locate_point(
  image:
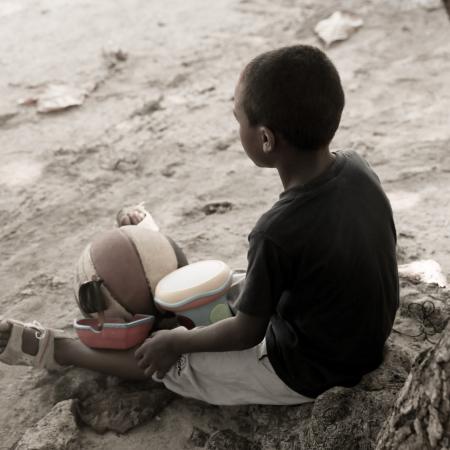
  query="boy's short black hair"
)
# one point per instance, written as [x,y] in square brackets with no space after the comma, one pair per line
[295,91]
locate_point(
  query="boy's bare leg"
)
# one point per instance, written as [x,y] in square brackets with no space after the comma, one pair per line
[71,352]
[120,363]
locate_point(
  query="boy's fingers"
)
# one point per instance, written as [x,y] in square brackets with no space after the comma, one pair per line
[143,362]
[138,353]
[140,363]
[149,371]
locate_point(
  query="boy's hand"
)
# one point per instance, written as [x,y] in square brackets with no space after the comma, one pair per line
[160,352]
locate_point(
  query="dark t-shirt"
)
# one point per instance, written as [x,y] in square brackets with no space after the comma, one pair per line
[322,265]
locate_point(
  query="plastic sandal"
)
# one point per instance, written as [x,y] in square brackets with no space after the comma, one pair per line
[147,221]
[13,353]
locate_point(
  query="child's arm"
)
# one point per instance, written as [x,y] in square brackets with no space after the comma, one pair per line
[160,352]
[267,278]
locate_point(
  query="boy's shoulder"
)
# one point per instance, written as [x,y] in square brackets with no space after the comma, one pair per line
[299,208]
[359,165]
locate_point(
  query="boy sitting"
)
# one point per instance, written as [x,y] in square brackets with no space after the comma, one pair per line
[321,290]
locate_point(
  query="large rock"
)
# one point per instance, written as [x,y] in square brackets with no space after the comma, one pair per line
[80,384]
[123,407]
[56,431]
[351,418]
[420,419]
[348,419]
[229,440]
[339,419]
[107,403]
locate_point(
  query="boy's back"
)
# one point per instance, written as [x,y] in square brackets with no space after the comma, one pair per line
[323,258]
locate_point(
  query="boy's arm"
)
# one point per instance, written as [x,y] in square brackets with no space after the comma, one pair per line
[158,353]
[267,277]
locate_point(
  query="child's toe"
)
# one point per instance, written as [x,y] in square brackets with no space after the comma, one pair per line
[136,217]
[5,327]
[125,220]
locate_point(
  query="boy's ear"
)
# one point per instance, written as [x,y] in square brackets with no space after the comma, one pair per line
[267,139]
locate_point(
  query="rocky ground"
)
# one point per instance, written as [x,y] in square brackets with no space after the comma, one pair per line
[156,125]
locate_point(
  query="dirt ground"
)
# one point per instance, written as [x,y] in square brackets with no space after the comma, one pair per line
[159,127]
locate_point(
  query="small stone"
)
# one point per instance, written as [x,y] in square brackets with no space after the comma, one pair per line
[148,108]
[222,145]
[168,172]
[217,207]
[126,164]
[27,291]
[113,55]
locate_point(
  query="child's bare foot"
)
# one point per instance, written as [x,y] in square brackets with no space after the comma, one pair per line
[134,215]
[131,218]
[30,343]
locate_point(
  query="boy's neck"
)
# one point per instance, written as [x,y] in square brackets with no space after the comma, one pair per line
[297,168]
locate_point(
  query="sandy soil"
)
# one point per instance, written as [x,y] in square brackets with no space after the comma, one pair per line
[159,127]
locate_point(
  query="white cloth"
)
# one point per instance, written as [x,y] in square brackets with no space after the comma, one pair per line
[230,378]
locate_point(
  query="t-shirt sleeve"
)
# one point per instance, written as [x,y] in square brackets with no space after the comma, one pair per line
[266,279]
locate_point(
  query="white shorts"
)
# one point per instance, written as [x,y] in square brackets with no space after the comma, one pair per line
[230,378]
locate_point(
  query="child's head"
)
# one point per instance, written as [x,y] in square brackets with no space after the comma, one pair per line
[295,92]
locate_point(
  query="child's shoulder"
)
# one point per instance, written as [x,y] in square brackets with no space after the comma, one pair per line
[359,167]
[300,207]
[273,223]
[355,160]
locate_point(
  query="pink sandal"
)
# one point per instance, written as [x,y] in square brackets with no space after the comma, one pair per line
[13,353]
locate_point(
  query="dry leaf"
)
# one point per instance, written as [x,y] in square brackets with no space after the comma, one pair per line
[57,97]
[426,271]
[338,27]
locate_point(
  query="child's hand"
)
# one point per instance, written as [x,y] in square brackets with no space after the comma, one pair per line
[159,352]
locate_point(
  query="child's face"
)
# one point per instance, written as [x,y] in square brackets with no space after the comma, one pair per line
[250,136]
